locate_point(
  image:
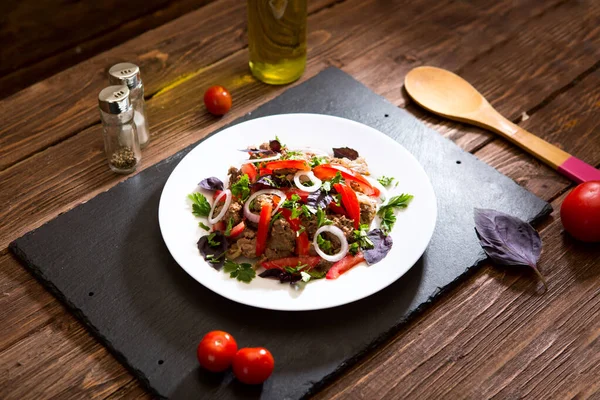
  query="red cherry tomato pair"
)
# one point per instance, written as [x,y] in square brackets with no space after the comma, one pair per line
[218,350]
[217,100]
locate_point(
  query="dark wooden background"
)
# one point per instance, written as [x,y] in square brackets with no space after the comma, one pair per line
[493,336]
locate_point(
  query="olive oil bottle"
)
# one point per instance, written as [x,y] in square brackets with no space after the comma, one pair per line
[277,39]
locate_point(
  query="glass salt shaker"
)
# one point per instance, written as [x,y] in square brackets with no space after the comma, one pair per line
[121,142]
[129,74]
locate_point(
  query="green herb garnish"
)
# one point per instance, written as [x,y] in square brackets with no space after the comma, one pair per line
[292,154]
[241,188]
[229,227]
[337,178]
[354,248]
[322,218]
[338,199]
[324,244]
[242,272]
[201,225]
[361,238]
[200,206]
[385,180]
[211,240]
[296,269]
[386,212]
[315,161]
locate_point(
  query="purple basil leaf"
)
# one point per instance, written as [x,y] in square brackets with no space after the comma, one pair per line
[211,183]
[275,146]
[214,255]
[283,276]
[265,182]
[319,199]
[382,246]
[346,152]
[507,240]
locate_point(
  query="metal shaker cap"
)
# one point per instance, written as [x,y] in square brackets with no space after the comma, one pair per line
[125,74]
[114,99]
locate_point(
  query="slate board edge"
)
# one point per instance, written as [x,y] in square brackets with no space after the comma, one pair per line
[318,386]
[39,276]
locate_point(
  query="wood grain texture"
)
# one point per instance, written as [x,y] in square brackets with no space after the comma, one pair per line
[177,118]
[483,338]
[61,106]
[72,32]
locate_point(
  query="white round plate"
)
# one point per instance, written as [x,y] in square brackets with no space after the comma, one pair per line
[213,157]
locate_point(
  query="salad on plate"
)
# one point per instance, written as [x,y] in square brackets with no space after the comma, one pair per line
[296,215]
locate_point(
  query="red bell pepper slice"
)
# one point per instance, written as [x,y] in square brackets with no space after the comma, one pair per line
[328,171]
[250,170]
[219,226]
[302,244]
[337,209]
[294,222]
[288,164]
[237,230]
[263,228]
[350,202]
[344,265]
[301,193]
[281,263]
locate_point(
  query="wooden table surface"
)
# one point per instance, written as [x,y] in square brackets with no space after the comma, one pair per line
[494,335]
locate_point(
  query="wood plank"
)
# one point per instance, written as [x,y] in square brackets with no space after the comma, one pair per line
[177,117]
[72,35]
[192,121]
[496,335]
[61,106]
[59,361]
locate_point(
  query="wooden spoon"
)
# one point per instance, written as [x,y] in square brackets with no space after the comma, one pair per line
[450,96]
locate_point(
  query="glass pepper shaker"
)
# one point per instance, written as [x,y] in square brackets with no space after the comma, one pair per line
[121,142]
[129,74]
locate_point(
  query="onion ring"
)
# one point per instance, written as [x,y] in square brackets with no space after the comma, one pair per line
[227,194]
[254,217]
[309,174]
[337,232]
[253,160]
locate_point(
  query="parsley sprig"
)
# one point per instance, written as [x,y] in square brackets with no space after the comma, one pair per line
[242,272]
[242,187]
[322,218]
[386,212]
[200,206]
[385,180]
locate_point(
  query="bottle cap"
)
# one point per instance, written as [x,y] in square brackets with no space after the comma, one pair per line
[125,74]
[114,99]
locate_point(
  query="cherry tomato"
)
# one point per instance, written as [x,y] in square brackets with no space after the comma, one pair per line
[580,212]
[217,100]
[253,365]
[216,351]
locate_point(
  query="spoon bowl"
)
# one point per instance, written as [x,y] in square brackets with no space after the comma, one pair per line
[447,94]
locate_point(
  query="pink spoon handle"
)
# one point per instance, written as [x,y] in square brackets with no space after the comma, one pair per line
[578,170]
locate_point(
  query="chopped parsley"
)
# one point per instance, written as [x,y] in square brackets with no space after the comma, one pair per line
[361,238]
[292,154]
[324,244]
[302,210]
[337,178]
[385,180]
[242,272]
[296,269]
[229,227]
[315,161]
[322,218]
[242,187]
[211,240]
[326,186]
[306,274]
[201,225]
[200,206]
[338,199]
[354,248]
[386,212]
[275,217]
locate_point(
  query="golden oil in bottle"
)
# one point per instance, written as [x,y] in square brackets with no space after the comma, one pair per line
[277,39]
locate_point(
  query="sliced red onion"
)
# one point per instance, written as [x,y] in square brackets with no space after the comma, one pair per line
[253,160]
[309,174]
[226,193]
[337,232]
[383,193]
[254,217]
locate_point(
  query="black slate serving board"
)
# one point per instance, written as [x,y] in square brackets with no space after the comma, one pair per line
[107,262]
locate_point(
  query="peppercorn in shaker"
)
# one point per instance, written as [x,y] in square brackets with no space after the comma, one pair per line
[129,74]
[121,142]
